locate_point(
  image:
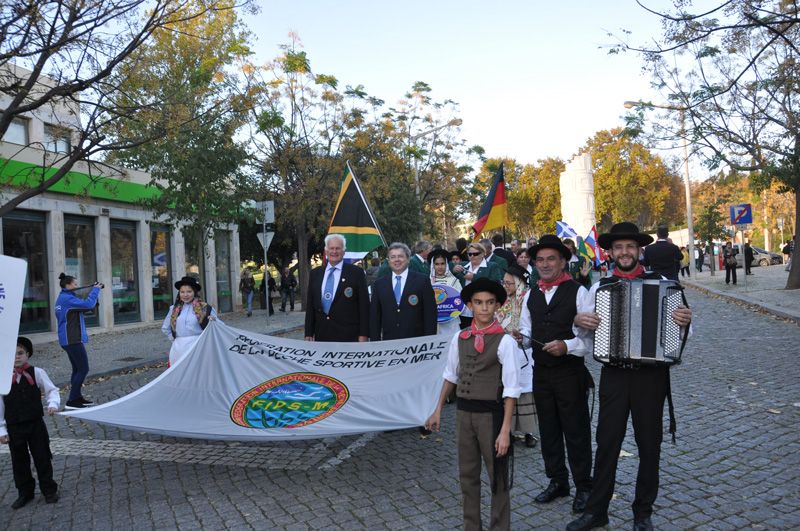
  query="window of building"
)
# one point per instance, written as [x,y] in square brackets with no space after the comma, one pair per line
[57,139]
[24,237]
[195,256]
[124,278]
[161,268]
[222,241]
[17,132]
[80,260]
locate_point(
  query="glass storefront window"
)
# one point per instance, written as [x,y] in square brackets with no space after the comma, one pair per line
[24,237]
[80,260]
[222,261]
[124,281]
[161,267]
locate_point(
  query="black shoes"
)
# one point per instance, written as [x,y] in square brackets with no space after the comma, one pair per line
[553,491]
[51,498]
[588,521]
[530,440]
[579,503]
[86,401]
[22,501]
[642,524]
[75,404]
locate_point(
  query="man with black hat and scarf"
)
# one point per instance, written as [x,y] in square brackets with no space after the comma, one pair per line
[483,363]
[640,392]
[560,378]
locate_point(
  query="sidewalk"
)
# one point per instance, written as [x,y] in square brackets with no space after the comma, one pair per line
[113,352]
[764,289]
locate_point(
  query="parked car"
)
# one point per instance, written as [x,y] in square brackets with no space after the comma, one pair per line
[761,257]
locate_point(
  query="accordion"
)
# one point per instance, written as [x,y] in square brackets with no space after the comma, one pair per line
[636,325]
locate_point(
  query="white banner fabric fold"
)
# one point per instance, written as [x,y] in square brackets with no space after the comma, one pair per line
[239,385]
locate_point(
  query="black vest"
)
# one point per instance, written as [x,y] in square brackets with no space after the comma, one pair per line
[553,321]
[24,401]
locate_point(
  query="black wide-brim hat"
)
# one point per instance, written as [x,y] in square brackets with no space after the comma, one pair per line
[550,241]
[444,253]
[188,281]
[518,271]
[484,284]
[623,231]
[26,344]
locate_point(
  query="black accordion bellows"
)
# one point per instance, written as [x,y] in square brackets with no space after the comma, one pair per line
[636,325]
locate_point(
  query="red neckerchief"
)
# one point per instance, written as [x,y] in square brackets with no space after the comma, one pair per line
[21,370]
[637,271]
[544,286]
[473,330]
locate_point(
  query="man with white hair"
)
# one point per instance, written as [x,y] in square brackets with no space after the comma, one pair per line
[337,301]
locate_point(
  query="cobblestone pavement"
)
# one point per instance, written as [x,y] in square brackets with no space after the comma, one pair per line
[736,464]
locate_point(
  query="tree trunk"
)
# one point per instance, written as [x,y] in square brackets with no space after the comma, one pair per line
[793,282]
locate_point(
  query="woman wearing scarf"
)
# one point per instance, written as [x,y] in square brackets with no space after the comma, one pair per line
[440,274]
[515,283]
[186,319]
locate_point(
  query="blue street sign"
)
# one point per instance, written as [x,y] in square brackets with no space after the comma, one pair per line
[741,214]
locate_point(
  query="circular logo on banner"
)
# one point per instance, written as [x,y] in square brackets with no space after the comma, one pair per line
[290,401]
[348,292]
[449,304]
[413,300]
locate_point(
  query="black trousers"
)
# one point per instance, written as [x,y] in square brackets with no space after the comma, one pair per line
[730,271]
[31,436]
[642,393]
[563,413]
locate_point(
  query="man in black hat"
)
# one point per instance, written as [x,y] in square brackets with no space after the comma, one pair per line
[640,392]
[482,363]
[560,381]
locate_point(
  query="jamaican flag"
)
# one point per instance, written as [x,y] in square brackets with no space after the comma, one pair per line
[353,218]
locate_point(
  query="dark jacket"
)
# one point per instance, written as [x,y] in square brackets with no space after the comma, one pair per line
[415,316]
[663,258]
[349,313]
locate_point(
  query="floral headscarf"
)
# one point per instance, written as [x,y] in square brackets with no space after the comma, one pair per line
[509,313]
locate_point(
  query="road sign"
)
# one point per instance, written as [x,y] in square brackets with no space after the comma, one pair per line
[268,208]
[741,214]
[269,239]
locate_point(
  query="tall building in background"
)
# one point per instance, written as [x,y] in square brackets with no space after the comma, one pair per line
[576,185]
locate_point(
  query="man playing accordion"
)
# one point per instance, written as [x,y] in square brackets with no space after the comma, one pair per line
[640,391]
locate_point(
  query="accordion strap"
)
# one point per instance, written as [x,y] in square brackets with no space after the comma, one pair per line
[672,423]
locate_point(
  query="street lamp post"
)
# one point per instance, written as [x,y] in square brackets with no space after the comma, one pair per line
[455,122]
[686,183]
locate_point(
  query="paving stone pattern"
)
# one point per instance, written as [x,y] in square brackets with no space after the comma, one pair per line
[736,464]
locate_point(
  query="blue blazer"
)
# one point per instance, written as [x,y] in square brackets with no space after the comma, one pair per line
[415,316]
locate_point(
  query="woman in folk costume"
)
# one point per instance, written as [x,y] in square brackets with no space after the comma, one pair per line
[440,274]
[516,284]
[186,319]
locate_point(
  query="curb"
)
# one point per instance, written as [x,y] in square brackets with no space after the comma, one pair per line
[772,310]
[157,361]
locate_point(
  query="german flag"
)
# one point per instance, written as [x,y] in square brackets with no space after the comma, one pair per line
[494,212]
[353,218]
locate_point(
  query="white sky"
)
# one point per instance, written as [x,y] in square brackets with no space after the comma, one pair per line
[529,76]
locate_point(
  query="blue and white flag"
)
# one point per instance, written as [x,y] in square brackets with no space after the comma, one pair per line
[563,230]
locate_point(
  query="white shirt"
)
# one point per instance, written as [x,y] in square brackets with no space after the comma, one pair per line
[505,354]
[186,324]
[45,384]
[336,271]
[403,277]
[468,269]
[575,346]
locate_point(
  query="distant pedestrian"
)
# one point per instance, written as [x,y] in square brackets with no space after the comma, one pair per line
[372,271]
[698,258]
[247,286]
[685,263]
[186,319]
[788,250]
[72,334]
[663,257]
[288,284]
[729,259]
[749,256]
[24,430]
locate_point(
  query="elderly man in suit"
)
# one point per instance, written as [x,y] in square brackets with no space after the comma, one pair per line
[663,257]
[337,301]
[403,304]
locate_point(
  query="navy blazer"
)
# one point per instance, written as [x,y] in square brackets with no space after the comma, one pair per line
[349,313]
[415,316]
[664,258]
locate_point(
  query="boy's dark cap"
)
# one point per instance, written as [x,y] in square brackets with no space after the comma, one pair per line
[484,285]
[25,343]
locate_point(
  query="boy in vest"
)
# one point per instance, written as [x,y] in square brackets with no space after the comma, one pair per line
[481,362]
[23,429]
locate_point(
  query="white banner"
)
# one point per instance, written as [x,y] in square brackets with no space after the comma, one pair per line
[238,385]
[12,289]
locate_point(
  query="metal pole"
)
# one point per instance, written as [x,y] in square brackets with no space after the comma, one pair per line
[266,271]
[687,184]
